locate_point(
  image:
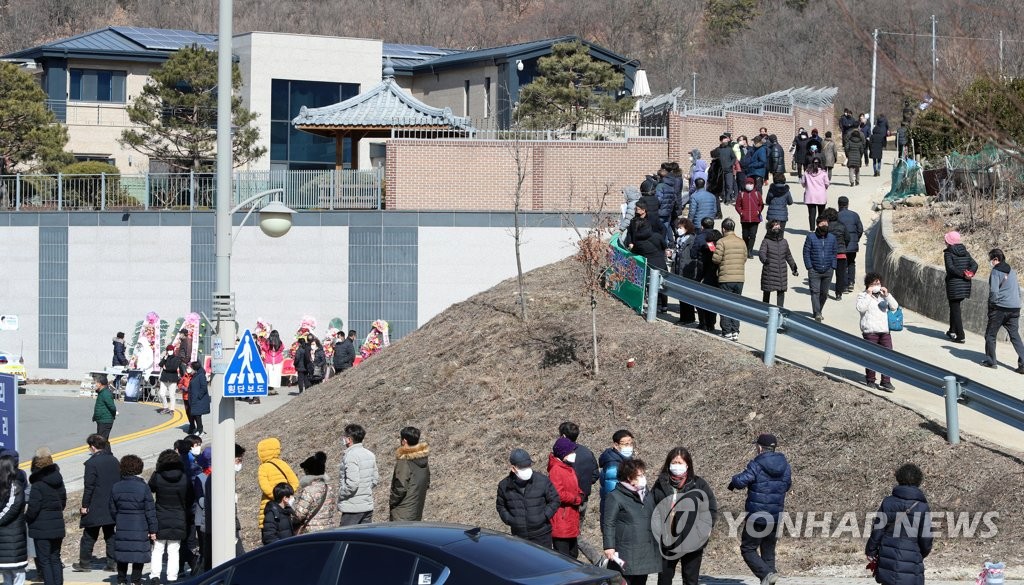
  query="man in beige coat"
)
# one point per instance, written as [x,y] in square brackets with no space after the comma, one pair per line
[730,256]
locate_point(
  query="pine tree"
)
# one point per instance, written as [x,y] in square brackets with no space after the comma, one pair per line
[30,137]
[177,112]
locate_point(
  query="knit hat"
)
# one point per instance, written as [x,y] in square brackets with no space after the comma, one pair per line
[766,440]
[952,238]
[315,464]
[751,181]
[520,458]
[563,446]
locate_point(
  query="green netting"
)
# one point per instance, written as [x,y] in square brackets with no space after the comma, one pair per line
[907,180]
[987,159]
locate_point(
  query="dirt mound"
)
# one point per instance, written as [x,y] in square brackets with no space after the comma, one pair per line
[478,382]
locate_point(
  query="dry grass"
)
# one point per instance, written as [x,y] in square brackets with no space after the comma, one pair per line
[479,383]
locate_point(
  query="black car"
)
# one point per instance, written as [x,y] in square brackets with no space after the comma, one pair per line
[405,553]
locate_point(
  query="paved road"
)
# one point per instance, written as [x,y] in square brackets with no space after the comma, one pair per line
[922,338]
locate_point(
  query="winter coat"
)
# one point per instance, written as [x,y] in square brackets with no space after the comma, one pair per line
[303,362]
[319,361]
[707,272]
[104,410]
[277,523]
[901,556]
[702,204]
[877,142]
[13,538]
[609,462]
[767,478]
[854,229]
[344,355]
[800,149]
[527,507]
[131,505]
[119,358]
[626,527]
[757,161]
[716,178]
[663,488]
[199,394]
[776,157]
[749,205]
[683,264]
[648,239]
[184,351]
[1003,290]
[829,153]
[820,252]
[837,229]
[359,476]
[275,356]
[171,369]
[778,201]
[102,471]
[314,504]
[566,521]
[272,471]
[846,123]
[587,471]
[854,148]
[173,496]
[874,317]
[775,256]
[726,157]
[958,259]
[46,503]
[666,194]
[699,170]
[730,256]
[814,147]
[410,482]
[815,187]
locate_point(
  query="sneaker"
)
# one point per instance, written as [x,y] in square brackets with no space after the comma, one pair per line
[1019,370]
[770,579]
[819,318]
[872,385]
[81,567]
[734,336]
[839,296]
[887,386]
[960,340]
[988,364]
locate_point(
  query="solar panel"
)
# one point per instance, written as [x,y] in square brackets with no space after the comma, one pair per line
[167,39]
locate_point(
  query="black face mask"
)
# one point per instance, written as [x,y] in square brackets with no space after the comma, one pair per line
[821,230]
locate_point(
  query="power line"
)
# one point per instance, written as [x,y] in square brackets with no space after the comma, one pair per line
[928,35]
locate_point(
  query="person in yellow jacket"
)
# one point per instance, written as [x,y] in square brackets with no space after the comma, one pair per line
[272,471]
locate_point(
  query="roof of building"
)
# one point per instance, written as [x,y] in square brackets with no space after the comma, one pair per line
[412,55]
[142,43]
[384,106]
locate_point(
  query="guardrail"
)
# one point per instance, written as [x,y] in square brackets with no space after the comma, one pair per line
[956,388]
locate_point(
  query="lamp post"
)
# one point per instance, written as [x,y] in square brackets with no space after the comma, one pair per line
[275,221]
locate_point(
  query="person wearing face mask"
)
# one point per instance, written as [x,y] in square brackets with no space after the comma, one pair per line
[686,265]
[677,478]
[874,304]
[277,517]
[816,183]
[358,478]
[565,524]
[199,398]
[820,250]
[104,411]
[767,478]
[611,458]
[204,506]
[749,206]
[102,471]
[171,369]
[730,256]
[272,471]
[775,256]
[629,542]
[170,486]
[1003,309]
[800,148]
[527,501]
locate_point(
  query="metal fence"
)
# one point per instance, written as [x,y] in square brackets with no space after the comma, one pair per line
[954,387]
[630,125]
[328,189]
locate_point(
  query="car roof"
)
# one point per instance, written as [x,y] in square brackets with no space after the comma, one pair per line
[418,534]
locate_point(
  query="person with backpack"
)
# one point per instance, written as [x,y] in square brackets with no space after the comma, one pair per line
[901,539]
[775,256]
[778,200]
[960,270]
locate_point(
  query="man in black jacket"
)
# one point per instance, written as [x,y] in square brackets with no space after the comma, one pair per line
[345,352]
[171,370]
[526,500]
[102,471]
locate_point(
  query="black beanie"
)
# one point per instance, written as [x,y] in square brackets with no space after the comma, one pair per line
[316,464]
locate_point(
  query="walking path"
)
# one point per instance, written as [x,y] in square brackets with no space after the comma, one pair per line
[921,338]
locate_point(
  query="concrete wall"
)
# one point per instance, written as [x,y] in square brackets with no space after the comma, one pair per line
[265,56]
[447,89]
[921,287]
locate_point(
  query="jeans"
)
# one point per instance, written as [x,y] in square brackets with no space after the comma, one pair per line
[567,546]
[759,536]
[750,234]
[168,394]
[353,518]
[956,321]
[851,269]
[876,165]
[104,429]
[883,339]
[814,210]
[13,576]
[156,561]
[1007,319]
[840,277]
[48,560]
[690,565]
[122,572]
[780,298]
[195,423]
[730,325]
[819,282]
[91,534]
[670,240]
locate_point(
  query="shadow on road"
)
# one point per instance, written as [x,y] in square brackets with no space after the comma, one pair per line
[967,354]
[846,374]
[926,331]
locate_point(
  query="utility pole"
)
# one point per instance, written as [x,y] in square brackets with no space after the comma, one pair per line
[874,77]
[693,95]
[1000,54]
[934,56]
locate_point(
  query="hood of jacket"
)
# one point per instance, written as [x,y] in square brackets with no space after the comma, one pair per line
[268,449]
[855,137]
[554,462]
[49,474]
[116,341]
[172,471]
[307,480]
[959,250]
[631,193]
[610,455]
[695,154]
[416,453]
[909,492]
[774,464]
[1002,267]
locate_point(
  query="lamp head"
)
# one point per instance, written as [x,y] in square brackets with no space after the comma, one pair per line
[276,219]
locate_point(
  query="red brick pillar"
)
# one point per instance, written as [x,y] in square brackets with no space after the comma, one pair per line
[390,175]
[676,137]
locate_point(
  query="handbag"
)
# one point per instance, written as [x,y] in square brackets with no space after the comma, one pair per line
[895,319]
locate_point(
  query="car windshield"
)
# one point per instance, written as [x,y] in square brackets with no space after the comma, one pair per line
[511,558]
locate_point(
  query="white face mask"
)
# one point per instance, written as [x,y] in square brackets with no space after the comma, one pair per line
[570,458]
[238,467]
[196,450]
[524,474]
[641,482]
[876,289]
[677,469]
[626,452]
[748,187]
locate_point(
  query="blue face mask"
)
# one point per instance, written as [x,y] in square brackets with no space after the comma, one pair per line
[626,452]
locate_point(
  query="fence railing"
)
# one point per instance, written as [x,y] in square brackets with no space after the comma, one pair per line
[954,387]
[90,113]
[618,129]
[324,190]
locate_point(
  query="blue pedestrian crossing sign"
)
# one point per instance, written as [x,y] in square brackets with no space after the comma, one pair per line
[246,375]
